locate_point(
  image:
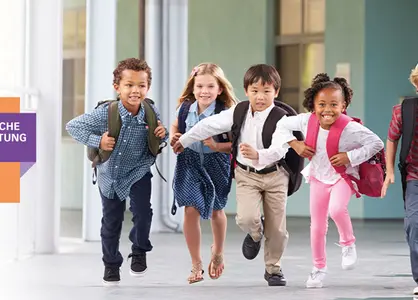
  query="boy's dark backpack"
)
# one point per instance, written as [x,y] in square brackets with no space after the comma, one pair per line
[98,156]
[292,163]
[408,112]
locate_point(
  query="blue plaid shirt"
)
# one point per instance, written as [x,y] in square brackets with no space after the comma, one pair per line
[130,159]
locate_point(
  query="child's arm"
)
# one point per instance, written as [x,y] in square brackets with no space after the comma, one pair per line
[391,148]
[89,128]
[286,126]
[283,138]
[362,140]
[394,134]
[227,146]
[161,131]
[208,127]
[174,132]
[224,147]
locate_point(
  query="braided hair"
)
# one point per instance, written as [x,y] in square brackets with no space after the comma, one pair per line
[322,81]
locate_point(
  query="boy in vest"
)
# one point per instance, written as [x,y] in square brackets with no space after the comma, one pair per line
[404,124]
[127,171]
[256,181]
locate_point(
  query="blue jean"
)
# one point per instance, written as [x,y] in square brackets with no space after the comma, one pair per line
[411,224]
[113,215]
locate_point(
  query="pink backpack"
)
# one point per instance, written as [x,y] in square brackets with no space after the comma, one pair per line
[372,172]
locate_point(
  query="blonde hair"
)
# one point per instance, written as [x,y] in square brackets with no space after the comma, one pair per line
[413,78]
[227,96]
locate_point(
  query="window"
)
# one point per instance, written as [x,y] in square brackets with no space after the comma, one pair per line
[300,26]
[314,16]
[74,44]
[290,21]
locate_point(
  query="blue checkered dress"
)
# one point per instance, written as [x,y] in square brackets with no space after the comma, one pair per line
[130,159]
[201,177]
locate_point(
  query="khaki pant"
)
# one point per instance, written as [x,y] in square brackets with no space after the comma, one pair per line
[270,189]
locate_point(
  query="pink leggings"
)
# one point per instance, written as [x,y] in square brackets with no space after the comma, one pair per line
[332,198]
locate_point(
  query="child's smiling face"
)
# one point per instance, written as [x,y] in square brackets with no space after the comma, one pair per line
[132,89]
[206,89]
[329,104]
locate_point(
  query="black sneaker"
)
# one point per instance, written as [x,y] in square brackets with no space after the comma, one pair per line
[250,248]
[111,276]
[275,279]
[138,264]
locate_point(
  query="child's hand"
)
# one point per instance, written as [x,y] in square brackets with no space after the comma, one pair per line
[160,131]
[175,138]
[210,142]
[248,152]
[178,147]
[107,143]
[390,179]
[302,149]
[340,159]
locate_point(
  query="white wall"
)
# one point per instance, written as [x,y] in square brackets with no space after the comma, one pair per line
[11,35]
[30,59]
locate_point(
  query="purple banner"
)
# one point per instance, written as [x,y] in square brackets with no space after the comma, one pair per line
[18,137]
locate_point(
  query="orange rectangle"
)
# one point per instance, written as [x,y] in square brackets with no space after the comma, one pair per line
[10,171]
[9,104]
[10,182]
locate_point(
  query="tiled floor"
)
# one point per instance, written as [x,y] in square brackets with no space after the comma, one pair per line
[383,271]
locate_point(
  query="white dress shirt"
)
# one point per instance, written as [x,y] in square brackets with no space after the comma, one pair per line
[358,141]
[251,133]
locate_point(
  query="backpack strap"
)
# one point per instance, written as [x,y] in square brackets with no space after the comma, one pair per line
[114,124]
[223,137]
[268,129]
[154,145]
[313,130]
[408,113]
[182,116]
[240,112]
[333,142]
[334,136]
[152,123]
[270,124]
[219,106]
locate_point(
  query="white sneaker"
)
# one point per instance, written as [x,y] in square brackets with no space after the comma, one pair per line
[416,291]
[316,278]
[349,257]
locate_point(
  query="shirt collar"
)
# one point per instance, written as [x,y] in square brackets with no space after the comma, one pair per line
[263,113]
[124,112]
[208,111]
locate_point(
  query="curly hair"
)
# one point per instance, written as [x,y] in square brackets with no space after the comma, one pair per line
[227,96]
[322,81]
[133,64]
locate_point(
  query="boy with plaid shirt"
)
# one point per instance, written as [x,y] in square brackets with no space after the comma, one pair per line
[404,124]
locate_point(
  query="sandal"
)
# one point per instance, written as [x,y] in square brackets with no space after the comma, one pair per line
[216,264]
[196,274]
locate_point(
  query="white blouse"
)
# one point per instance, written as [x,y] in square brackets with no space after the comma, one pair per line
[358,141]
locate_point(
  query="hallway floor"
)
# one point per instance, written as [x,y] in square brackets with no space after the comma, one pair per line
[383,270]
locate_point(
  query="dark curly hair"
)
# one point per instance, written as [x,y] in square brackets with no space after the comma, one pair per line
[322,81]
[133,64]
